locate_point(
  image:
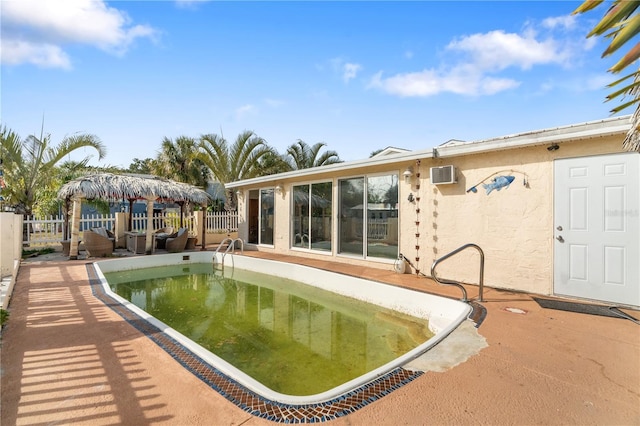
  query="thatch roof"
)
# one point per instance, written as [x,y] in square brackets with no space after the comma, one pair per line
[108,186]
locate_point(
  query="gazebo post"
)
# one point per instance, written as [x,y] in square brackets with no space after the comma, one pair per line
[67,231]
[75,227]
[148,249]
[204,227]
[131,200]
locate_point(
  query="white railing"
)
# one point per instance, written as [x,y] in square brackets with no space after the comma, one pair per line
[227,221]
[139,222]
[51,229]
[41,231]
[97,221]
[377,229]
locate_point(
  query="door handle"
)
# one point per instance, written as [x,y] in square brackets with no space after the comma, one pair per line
[559,238]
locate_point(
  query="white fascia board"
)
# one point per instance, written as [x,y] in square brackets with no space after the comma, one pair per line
[338,167]
[588,130]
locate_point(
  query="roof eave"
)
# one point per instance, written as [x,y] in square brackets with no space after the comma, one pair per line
[337,167]
[588,130]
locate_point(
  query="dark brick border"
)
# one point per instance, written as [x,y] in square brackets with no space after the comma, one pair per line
[244,398]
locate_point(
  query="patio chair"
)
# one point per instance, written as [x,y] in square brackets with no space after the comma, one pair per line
[178,243]
[99,242]
[161,236]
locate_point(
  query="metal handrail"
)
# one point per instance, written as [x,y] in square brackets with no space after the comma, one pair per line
[456,283]
[230,247]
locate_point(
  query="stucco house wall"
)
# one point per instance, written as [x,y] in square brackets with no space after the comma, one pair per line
[513,226]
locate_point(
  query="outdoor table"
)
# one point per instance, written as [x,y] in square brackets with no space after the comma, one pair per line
[137,242]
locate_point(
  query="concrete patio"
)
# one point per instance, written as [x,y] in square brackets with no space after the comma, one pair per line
[67,358]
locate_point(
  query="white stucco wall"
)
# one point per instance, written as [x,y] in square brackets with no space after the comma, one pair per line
[10,254]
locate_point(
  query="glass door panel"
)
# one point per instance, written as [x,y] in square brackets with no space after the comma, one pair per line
[300,217]
[382,216]
[266,216]
[321,206]
[351,235]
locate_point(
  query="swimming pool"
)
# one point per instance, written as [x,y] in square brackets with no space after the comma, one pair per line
[443,314]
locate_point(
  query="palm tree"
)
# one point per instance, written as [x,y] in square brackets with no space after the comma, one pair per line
[273,163]
[30,164]
[303,156]
[228,163]
[620,24]
[145,166]
[178,161]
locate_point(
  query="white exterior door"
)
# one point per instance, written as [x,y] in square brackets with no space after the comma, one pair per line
[597,228]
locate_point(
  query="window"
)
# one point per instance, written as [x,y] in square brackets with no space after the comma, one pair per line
[369,229]
[311,217]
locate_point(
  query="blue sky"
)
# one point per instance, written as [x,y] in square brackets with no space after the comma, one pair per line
[358,76]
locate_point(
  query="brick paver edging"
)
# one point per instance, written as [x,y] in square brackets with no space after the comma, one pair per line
[244,398]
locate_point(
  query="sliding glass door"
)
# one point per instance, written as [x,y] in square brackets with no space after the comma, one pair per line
[369,216]
[311,216]
[261,216]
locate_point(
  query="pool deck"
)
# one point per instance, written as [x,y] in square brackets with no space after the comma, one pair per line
[67,358]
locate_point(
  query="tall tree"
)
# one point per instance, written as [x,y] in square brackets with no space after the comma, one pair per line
[303,156]
[30,164]
[620,24]
[273,163]
[178,160]
[145,166]
[228,163]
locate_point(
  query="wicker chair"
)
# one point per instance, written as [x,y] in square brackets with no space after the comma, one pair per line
[177,244]
[99,242]
[161,236]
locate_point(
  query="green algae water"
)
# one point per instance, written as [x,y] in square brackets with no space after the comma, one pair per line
[293,338]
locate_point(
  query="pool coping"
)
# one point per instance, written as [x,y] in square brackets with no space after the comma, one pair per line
[238,394]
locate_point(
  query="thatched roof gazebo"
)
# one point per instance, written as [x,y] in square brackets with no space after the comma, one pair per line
[110,187]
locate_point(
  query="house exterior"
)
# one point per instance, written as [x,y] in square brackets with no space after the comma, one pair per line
[555,211]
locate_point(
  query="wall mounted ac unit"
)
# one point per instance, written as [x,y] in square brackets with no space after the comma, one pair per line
[443,175]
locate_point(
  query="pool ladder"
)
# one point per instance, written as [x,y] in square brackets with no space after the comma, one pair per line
[456,283]
[230,248]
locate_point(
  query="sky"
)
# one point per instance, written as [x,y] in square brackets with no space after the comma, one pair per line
[357,76]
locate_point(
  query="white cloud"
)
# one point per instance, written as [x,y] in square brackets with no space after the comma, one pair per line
[347,70]
[189,4]
[481,58]
[274,103]
[497,50]
[430,82]
[45,25]
[563,22]
[350,71]
[598,82]
[244,110]
[16,52]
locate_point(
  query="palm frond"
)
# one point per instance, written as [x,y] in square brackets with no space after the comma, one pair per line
[587,6]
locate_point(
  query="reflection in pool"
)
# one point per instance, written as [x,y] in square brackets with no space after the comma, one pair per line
[291,337]
[307,321]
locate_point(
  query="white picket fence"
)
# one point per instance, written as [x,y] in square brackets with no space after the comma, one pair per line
[225,221]
[42,231]
[51,229]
